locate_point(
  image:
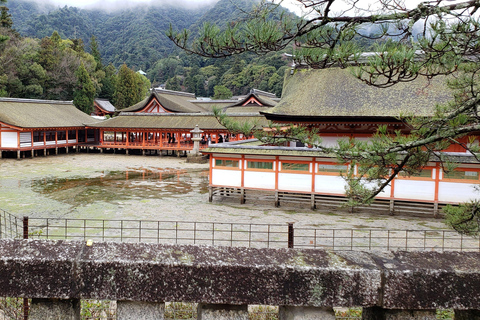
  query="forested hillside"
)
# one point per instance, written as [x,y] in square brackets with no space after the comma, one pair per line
[137,37]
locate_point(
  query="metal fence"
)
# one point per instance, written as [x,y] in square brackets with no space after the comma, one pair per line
[381,240]
[168,232]
[247,235]
[219,234]
[10,226]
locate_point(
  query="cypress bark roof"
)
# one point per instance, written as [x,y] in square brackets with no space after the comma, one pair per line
[105,105]
[172,121]
[265,102]
[27,113]
[172,101]
[335,92]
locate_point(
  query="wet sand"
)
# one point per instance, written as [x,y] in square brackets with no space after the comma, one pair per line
[181,197]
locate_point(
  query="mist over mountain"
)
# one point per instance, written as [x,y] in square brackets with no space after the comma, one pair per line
[116,5]
[135,36]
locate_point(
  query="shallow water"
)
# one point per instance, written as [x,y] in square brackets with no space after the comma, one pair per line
[78,189]
[116,186]
[105,186]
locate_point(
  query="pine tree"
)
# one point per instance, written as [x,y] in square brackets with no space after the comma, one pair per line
[108,83]
[126,88]
[84,93]
[95,53]
[5,18]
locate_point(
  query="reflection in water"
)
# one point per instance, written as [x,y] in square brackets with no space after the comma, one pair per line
[114,186]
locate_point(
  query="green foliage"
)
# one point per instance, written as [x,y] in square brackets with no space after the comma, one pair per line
[95,53]
[97,309]
[5,18]
[173,84]
[464,218]
[136,37]
[130,88]
[222,92]
[84,93]
[247,128]
[108,83]
[448,46]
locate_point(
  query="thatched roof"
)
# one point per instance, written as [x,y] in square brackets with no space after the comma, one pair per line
[26,113]
[183,121]
[335,92]
[173,101]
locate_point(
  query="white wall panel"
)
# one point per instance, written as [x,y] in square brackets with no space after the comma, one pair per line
[329,184]
[25,137]
[295,182]
[414,190]
[9,140]
[259,179]
[231,178]
[385,193]
[456,192]
[330,141]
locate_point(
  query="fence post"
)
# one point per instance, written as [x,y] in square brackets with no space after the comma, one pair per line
[25,227]
[25,236]
[291,235]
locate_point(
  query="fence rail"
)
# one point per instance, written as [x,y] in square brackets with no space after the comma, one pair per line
[247,235]
[377,239]
[10,225]
[233,234]
[169,232]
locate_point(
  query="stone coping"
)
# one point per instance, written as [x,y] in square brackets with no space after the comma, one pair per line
[236,275]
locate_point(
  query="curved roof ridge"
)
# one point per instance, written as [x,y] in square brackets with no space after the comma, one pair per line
[35,101]
[176,93]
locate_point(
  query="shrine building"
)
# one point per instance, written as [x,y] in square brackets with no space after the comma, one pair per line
[340,106]
[42,126]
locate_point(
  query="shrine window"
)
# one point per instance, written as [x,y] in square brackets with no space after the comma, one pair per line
[260,165]
[296,166]
[459,174]
[227,163]
[425,174]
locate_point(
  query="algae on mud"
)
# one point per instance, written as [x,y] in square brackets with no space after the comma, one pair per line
[94,186]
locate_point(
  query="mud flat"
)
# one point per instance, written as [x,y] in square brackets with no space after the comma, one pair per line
[109,186]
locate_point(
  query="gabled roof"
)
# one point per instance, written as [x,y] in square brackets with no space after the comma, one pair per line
[174,121]
[208,105]
[171,101]
[27,113]
[251,102]
[105,105]
[335,93]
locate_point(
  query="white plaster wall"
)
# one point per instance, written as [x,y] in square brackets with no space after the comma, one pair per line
[9,140]
[329,184]
[385,193]
[330,141]
[259,179]
[295,182]
[456,192]
[231,178]
[414,189]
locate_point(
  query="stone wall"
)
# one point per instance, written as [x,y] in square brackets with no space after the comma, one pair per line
[306,284]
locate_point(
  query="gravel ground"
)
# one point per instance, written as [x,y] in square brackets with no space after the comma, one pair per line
[63,186]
